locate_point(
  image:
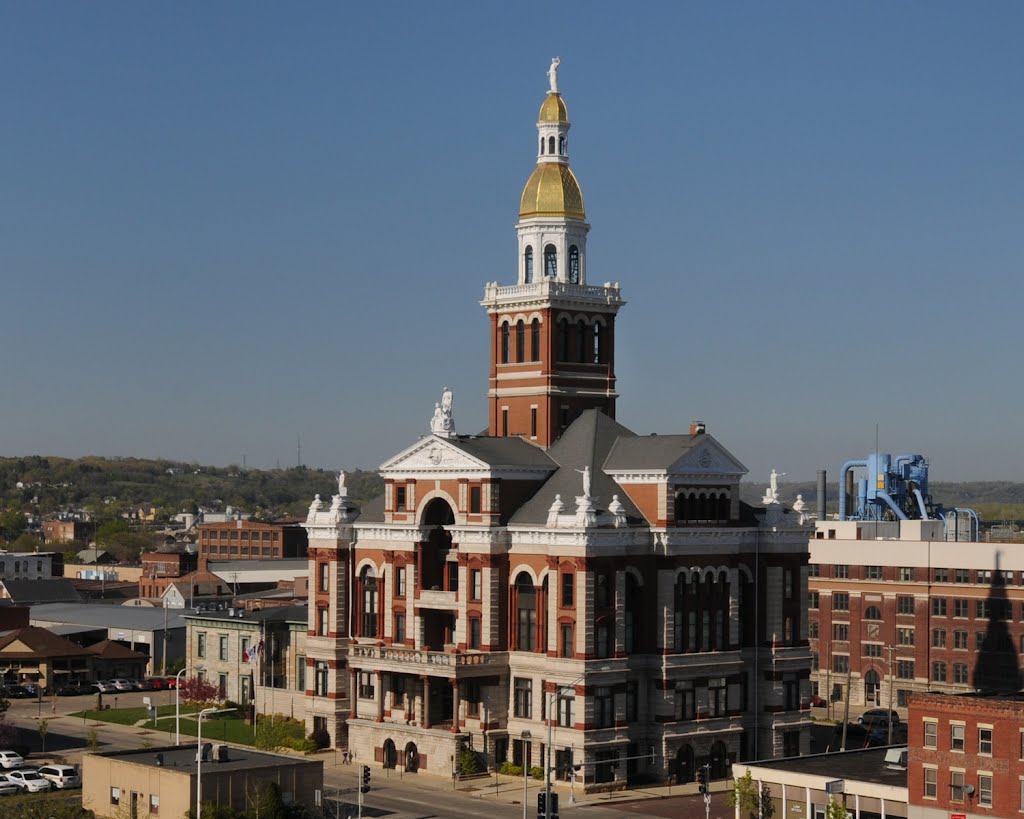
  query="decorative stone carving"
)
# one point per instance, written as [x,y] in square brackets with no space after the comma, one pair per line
[442,422]
[617,511]
[553,75]
[771,494]
[557,508]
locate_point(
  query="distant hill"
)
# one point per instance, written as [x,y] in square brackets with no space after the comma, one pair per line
[108,486]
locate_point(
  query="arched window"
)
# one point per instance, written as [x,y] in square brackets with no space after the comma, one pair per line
[369,584]
[581,341]
[528,264]
[520,341]
[526,613]
[550,261]
[873,613]
[561,145]
[542,145]
[535,340]
[551,145]
[563,339]
[597,342]
[574,264]
[504,343]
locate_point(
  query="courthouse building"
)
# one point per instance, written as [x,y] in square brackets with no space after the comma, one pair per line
[558,570]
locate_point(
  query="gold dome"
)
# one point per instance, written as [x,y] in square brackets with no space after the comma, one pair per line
[553,109]
[552,190]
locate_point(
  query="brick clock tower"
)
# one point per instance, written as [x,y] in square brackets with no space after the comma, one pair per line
[552,334]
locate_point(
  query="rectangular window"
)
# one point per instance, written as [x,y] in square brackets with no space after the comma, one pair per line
[960,607]
[474,633]
[984,790]
[685,702]
[154,803]
[222,647]
[956,737]
[787,584]
[931,734]
[960,673]
[533,422]
[938,671]
[400,627]
[931,783]
[366,685]
[840,601]
[504,421]
[938,638]
[904,604]
[813,570]
[603,638]
[115,796]
[400,581]
[475,500]
[840,663]
[905,669]
[222,685]
[939,606]
[872,572]
[472,698]
[476,584]
[904,636]
[960,639]
[523,704]
[961,576]
[322,626]
[568,587]
[985,741]
[399,498]
[842,571]
[566,640]
[812,629]
[906,574]
[981,609]
[956,786]
[300,673]
[324,569]
[566,710]
[841,631]
[200,645]
[813,599]
[941,576]
[604,707]
[979,637]
[872,650]
[984,577]
[321,671]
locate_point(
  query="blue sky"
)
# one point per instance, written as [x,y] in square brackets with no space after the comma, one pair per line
[226,225]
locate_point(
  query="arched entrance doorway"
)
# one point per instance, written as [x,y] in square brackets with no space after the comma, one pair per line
[390,754]
[872,686]
[718,759]
[412,758]
[682,767]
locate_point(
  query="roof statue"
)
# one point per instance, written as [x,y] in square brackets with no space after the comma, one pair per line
[585,472]
[314,507]
[771,494]
[553,75]
[442,422]
[342,489]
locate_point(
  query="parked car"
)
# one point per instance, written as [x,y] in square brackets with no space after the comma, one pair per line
[8,786]
[75,689]
[157,684]
[9,759]
[172,682]
[142,685]
[18,692]
[30,781]
[62,776]
[817,702]
[878,718]
[104,687]
[121,684]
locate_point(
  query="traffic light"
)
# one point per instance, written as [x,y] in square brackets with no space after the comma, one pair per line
[542,804]
[702,778]
[554,805]
[365,787]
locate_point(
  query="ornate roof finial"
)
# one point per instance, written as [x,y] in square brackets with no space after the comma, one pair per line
[553,75]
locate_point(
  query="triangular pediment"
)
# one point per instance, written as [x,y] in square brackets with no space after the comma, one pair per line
[708,458]
[430,455]
[16,647]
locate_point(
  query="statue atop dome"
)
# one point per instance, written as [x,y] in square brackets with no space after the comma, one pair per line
[442,422]
[553,75]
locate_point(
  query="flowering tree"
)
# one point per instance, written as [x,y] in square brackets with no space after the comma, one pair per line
[198,691]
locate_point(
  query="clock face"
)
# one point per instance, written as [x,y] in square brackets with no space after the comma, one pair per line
[704,459]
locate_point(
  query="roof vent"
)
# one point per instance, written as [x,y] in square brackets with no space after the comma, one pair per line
[697,428]
[896,759]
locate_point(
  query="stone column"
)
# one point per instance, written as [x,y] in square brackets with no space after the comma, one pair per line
[379,695]
[455,706]
[354,693]
[425,717]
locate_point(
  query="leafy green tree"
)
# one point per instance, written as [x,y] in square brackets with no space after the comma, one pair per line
[12,523]
[835,809]
[25,543]
[751,801]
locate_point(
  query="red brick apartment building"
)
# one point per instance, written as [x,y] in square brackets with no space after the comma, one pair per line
[162,568]
[894,606]
[249,540]
[966,756]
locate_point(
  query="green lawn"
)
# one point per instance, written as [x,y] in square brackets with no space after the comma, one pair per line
[129,716]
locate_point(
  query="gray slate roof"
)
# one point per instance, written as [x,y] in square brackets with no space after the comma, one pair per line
[500,451]
[586,442]
[44,590]
[105,615]
[649,451]
[372,511]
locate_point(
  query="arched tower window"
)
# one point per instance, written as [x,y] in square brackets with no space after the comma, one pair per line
[520,341]
[528,264]
[563,339]
[551,145]
[561,145]
[535,340]
[598,342]
[504,342]
[574,264]
[550,261]
[581,341]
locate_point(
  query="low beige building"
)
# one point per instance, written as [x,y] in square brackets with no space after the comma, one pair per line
[161,782]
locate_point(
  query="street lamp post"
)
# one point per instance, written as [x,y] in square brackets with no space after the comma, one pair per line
[526,737]
[177,705]
[199,755]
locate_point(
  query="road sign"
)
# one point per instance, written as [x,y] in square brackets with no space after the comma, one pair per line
[835,786]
